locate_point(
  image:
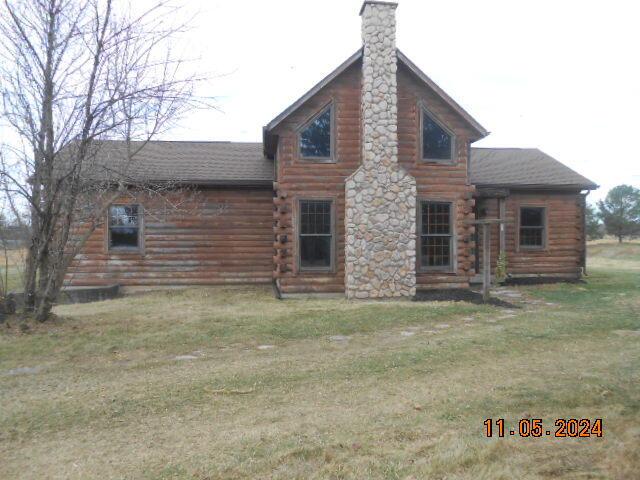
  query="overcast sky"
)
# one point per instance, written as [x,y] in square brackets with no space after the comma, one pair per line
[559,75]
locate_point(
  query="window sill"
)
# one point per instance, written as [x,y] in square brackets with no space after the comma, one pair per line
[431,161]
[533,249]
[132,250]
[316,271]
[441,271]
[317,160]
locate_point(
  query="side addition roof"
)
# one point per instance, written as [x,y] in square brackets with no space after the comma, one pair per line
[522,167]
[212,163]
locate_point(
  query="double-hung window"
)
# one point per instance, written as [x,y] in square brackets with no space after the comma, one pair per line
[436,236]
[532,227]
[124,227]
[315,237]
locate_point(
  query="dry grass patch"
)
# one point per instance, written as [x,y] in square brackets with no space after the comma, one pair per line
[112,400]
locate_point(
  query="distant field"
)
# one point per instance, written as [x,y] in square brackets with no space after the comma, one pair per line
[610,254]
[11,268]
[229,383]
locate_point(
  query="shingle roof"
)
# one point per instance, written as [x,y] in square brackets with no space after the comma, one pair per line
[229,163]
[186,162]
[530,167]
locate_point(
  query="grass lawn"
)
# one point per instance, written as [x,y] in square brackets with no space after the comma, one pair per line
[230,383]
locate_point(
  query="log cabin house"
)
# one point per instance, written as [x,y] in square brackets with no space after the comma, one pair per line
[368,185]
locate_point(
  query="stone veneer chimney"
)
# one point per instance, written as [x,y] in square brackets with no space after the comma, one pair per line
[380,216]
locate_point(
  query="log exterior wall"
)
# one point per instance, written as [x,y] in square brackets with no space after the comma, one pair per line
[302,179]
[438,181]
[562,254]
[254,238]
[216,236]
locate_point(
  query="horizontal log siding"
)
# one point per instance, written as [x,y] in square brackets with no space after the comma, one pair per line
[562,254]
[564,235]
[299,179]
[437,181]
[303,179]
[219,236]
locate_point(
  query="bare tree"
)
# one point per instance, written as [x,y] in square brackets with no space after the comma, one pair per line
[72,74]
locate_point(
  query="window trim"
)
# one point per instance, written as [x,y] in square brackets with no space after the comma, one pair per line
[452,268]
[298,225]
[422,108]
[122,249]
[545,228]
[332,133]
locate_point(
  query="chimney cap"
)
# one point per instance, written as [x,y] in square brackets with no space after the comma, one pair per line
[377,2]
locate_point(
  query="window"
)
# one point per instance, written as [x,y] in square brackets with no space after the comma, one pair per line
[532,227]
[316,235]
[437,142]
[124,227]
[436,237]
[315,136]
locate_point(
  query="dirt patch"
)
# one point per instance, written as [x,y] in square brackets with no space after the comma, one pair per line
[459,295]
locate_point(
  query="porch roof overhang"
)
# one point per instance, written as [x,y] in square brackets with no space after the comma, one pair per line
[503,190]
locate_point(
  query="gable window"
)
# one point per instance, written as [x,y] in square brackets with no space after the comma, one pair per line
[436,235]
[316,235]
[532,227]
[437,141]
[315,136]
[124,227]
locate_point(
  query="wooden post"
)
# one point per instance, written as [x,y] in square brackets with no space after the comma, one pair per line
[503,227]
[486,261]
[486,251]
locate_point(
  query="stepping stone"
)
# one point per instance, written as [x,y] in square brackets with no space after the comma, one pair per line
[23,371]
[511,295]
[339,338]
[407,334]
[265,347]
[431,332]
[186,357]
[442,326]
[468,319]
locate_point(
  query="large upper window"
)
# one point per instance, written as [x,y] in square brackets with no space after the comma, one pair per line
[532,227]
[437,142]
[124,227]
[436,235]
[316,234]
[315,136]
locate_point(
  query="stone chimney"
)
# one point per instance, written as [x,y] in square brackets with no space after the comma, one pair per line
[380,216]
